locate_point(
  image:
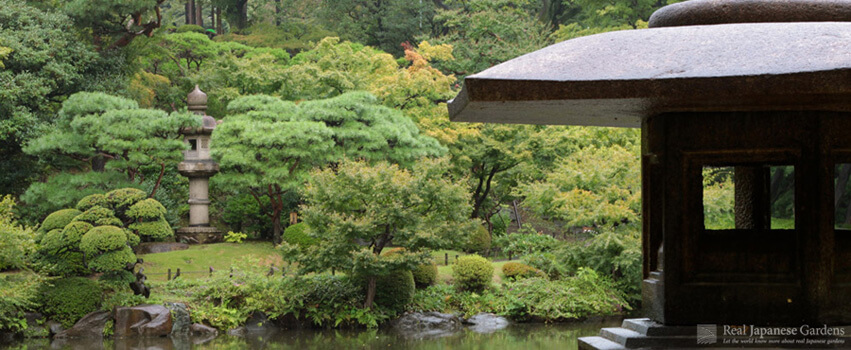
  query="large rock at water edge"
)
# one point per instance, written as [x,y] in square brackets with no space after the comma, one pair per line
[486,322]
[90,326]
[152,320]
[427,325]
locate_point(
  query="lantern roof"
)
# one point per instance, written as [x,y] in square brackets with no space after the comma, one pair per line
[681,64]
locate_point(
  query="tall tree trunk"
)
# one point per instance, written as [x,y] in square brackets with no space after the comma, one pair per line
[191,13]
[370,292]
[219,29]
[199,14]
[278,229]
[188,12]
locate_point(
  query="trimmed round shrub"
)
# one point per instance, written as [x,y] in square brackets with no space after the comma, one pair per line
[69,299]
[153,230]
[479,241]
[515,270]
[58,220]
[297,235]
[99,216]
[91,201]
[103,239]
[472,272]
[52,241]
[113,260]
[395,290]
[148,208]
[73,232]
[425,275]
[121,199]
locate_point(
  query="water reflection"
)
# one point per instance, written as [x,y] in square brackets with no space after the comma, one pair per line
[516,336]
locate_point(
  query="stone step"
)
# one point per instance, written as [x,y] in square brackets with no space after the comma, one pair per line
[647,327]
[598,343]
[625,337]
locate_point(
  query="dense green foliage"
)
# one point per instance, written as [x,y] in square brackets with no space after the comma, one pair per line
[383,205]
[532,299]
[515,270]
[425,275]
[472,272]
[269,146]
[525,242]
[100,238]
[18,294]
[96,133]
[17,241]
[315,96]
[394,291]
[479,241]
[297,235]
[67,300]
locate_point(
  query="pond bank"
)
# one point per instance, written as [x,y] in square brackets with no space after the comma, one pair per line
[515,336]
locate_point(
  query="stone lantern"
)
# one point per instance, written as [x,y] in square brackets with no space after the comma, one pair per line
[746,88]
[198,166]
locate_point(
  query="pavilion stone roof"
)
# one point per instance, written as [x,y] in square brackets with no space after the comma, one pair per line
[615,78]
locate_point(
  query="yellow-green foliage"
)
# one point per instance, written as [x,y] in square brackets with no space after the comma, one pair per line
[103,239]
[479,240]
[123,198]
[297,234]
[98,216]
[515,270]
[58,220]
[73,232]
[156,230]
[235,237]
[148,208]
[425,275]
[395,290]
[69,299]
[114,260]
[17,242]
[472,272]
[92,200]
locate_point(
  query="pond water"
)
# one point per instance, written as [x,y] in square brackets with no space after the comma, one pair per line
[515,336]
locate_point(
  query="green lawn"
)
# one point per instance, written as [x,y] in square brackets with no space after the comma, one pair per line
[201,257]
[195,262]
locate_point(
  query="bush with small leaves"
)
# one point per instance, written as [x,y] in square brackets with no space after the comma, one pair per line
[122,199]
[92,200]
[69,299]
[297,234]
[148,208]
[99,216]
[472,272]
[515,270]
[58,220]
[17,242]
[113,260]
[395,290]
[425,275]
[103,239]
[153,230]
[479,240]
